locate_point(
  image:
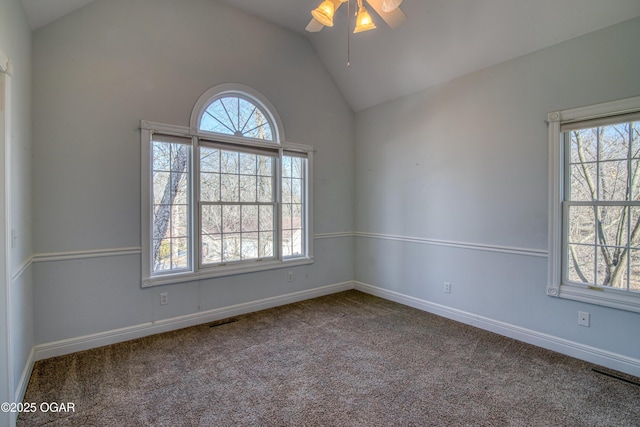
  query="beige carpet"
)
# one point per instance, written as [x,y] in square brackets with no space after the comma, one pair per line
[348,359]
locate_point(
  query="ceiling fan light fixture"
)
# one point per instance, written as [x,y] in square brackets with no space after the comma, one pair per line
[363,21]
[390,5]
[324,13]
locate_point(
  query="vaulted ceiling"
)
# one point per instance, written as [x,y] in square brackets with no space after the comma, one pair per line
[439,41]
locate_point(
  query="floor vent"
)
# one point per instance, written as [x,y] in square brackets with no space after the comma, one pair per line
[616,376]
[223,322]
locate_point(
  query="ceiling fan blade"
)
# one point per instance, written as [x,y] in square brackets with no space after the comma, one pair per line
[314,26]
[394,19]
[389,5]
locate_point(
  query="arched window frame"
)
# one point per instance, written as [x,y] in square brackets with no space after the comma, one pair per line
[278,148]
[244,92]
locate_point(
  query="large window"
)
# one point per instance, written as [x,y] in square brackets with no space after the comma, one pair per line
[595,218]
[228,195]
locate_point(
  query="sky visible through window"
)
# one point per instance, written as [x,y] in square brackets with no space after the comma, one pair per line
[236,116]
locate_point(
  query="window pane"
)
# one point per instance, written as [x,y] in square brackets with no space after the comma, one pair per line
[613,180]
[583,177]
[182,190]
[293,208]
[248,164]
[286,190]
[161,156]
[584,145]
[635,140]
[297,219]
[171,214]
[266,217]
[265,189]
[249,218]
[248,188]
[162,254]
[246,112]
[179,248]
[635,179]
[581,261]
[582,224]
[286,216]
[265,166]
[229,188]
[160,180]
[635,227]
[634,278]
[211,248]
[231,247]
[297,237]
[237,227]
[211,219]
[216,119]
[296,242]
[612,225]
[258,127]
[249,245]
[229,162]
[179,221]
[209,187]
[233,115]
[230,219]
[296,190]
[296,167]
[161,222]
[266,244]
[612,267]
[286,243]
[209,159]
[286,167]
[614,142]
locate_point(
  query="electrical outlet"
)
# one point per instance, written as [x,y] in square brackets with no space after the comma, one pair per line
[164,298]
[583,318]
[447,287]
[290,276]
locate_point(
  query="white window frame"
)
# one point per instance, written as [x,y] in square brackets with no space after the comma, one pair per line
[557,286]
[279,146]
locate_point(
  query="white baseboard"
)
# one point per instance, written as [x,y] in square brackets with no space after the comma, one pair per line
[580,351]
[24,378]
[86,342]
[594,355]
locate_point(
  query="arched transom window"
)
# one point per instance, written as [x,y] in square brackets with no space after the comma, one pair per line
[237,111]
[237,116]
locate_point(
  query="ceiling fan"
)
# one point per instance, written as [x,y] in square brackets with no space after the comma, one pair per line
[388,10]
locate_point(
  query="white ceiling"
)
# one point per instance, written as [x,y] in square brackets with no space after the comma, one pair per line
[439,41]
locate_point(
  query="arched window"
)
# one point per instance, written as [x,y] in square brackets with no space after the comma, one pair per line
[234,115]
[227,195]
[238,111]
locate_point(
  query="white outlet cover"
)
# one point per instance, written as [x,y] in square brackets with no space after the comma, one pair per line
[583,318]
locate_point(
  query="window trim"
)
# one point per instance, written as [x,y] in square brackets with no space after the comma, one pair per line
[279,145]
[614,298]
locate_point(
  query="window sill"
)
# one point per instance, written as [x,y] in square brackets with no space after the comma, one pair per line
[223,271]
[621,300]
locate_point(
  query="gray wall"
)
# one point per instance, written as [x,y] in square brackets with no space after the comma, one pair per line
[464,162]
[467,162]
[97,73]
[15,42]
